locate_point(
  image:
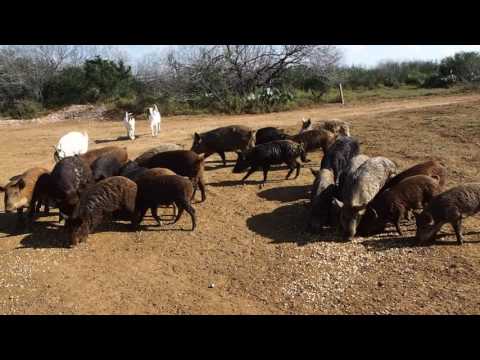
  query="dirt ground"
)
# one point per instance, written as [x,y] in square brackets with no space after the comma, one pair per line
[250,243]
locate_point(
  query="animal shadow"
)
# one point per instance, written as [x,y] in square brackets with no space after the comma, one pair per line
[120,138]
[287,224]
[286,193]
[45,235]
[387,241]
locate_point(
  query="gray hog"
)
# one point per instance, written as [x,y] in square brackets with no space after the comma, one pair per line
[222,140]
[359,189]
[448,207]
[147,155]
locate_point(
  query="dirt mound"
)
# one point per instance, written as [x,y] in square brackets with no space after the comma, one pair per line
[73,112]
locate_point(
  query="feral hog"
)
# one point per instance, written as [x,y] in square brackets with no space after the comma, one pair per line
[132,171]
[142,159]
[359,189]
[268,134]
[315,139]
[99,201]
[90,156]
[432,168]
[271,153]
[323,193]
[20,193]
[354,164]
[155,190]
[338,127]
[109,164]
[222,140]
[338,156]
[449,207]
[184,163]
[68,179]
[392,205]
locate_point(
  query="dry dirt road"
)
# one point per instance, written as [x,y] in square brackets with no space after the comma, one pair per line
[250,242]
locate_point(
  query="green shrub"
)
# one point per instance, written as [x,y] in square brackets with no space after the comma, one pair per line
[25,109]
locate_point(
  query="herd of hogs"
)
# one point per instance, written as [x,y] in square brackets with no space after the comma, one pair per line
[352,192]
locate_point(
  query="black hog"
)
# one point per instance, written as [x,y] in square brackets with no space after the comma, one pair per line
[271,153]
[68,179]
[268,134]
[222,140]
[25,191]
[338,156]
[155,190]
[413,193]
[448,207]
[109,164]
[324,191]
[184,163]
[143,158]
[115,194]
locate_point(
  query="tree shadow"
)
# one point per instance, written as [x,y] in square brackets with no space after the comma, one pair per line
[286,193]
[287,224]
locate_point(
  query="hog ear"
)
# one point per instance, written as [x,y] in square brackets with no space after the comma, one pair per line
[436,177]
[315,172]
[374,212]
[337,203]
[21,184]
[196,138]
[3,188]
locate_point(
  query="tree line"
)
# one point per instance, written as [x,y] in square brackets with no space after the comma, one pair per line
[191,79]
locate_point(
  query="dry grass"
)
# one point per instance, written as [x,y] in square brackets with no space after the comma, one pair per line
[250,243]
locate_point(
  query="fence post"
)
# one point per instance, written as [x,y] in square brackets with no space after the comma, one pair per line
[341,94]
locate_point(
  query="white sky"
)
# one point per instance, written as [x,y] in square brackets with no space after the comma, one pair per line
[368,55]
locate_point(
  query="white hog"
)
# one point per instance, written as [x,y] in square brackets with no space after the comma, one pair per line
[73,143]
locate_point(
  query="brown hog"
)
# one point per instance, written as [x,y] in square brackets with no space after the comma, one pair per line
[449,207]
[104,198]
[184,163]
[222,140]
[90,156]
[155,190]
[20,193]
[432,168]
[314,140]
[413,193]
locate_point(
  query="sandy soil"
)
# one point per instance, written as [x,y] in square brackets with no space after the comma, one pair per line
[250,243]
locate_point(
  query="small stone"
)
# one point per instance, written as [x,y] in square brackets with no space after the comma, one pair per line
[379,284]
[211,286]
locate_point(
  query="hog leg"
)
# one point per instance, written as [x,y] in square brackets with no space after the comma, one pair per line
[266,168]
[250,172]
[457,227]
[222,155]
[154,212]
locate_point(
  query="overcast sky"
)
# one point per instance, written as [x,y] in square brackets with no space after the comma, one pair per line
[368,55]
